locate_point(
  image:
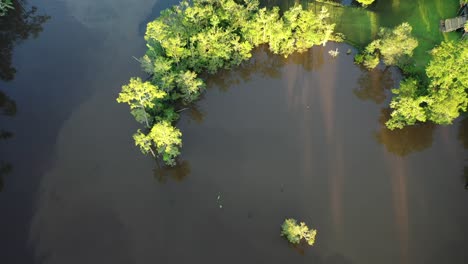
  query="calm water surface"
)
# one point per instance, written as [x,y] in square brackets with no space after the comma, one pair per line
[301,137]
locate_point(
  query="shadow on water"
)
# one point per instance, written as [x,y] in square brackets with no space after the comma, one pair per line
[7,108]
[463,137]
[374,85]
[265,64]
[303,248]
[403,142]
[178,173]
[18,25]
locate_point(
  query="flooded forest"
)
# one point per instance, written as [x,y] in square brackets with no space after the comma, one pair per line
[251,125]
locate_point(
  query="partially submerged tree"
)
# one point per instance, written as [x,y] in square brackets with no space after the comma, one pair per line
[393,46]
[205,36]
[140,96]
[294,232]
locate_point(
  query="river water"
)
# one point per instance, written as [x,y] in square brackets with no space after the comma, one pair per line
[301,137]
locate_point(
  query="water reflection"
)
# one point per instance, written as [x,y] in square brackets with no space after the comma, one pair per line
[178,172]
[18,25]
[463,137]
[399,186]
[463,132]
[265,64]
[195,113]
[7,105]
[404,141]
[373,85]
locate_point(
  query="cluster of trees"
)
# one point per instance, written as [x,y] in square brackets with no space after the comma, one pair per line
[439,95]
[442,96]
[206,36]
[394,46]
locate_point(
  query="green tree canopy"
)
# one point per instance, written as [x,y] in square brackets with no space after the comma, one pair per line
[294,232]
[365,2]
[445,95]
[205,36]
[393,46]
[140,96]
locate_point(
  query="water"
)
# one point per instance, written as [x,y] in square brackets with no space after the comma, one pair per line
[275,138]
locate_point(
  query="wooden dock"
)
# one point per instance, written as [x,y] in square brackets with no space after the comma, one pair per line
[452,24]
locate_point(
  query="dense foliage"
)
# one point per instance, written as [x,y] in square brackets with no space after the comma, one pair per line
[444,96]
[294,232]
[206,36]
[4,6]
[393,46]
[365,2]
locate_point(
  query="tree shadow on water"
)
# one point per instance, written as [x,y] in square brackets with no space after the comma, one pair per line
[16,26]
[177,173]
[335,258]
[404,141]
[463,137]
[374,84]
[7,108]
[265,64]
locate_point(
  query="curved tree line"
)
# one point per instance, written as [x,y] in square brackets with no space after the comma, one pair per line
[204,36]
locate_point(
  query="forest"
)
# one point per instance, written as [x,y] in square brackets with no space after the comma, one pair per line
[200,37]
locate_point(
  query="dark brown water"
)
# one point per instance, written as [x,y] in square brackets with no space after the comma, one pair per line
[276,138]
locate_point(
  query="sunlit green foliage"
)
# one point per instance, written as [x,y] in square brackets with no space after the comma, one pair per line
[393,46]
[443,98]
[365,2]
[294,232]
[140,96]
[407,105]
[448,89]
[4,6]
[206,36]
[166,139]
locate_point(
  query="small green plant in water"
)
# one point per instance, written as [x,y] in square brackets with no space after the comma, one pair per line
[294,232]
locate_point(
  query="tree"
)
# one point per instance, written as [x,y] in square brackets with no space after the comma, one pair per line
[190,86]
[144,142]
[448,73]
[206,36]
[407,105]
[140,96]
[365,2]
[393,46]
[294,232]
[445,95]
[167,140]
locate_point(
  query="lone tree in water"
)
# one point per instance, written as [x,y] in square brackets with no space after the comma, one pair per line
[294,232]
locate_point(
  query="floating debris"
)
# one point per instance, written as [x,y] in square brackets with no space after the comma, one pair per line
[334,53]
[219,201]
